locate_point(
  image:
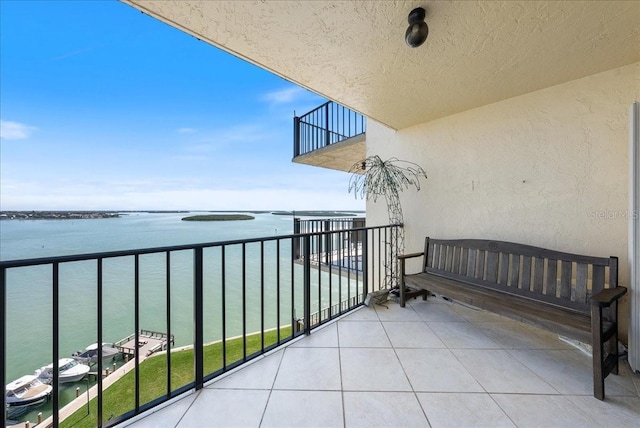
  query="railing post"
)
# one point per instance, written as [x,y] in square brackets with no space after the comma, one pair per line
[296,136]
[307,284]
[3,343]
[365,264]
[296,241]
[198,319]
[99,297]
[327,131]
[55,302]
[327,241]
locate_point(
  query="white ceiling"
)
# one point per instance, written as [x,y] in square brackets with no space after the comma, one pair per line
[477,53]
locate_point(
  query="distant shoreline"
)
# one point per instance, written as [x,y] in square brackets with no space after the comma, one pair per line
[84,215]
[57,215]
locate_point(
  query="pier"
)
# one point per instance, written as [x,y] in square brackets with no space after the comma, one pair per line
[149,342]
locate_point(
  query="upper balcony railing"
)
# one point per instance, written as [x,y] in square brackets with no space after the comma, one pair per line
[224,302]
[325,125]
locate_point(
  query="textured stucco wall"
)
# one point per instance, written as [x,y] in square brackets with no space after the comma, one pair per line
[549,168]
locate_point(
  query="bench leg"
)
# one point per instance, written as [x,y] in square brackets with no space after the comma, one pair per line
[613,344]
[598,363]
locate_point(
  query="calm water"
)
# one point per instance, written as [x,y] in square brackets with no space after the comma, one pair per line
[29,292]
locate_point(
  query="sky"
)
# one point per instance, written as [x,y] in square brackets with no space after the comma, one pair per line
[105,108]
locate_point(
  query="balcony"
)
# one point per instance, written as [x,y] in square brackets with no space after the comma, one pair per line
[329,136]
[433,363]
[226,302]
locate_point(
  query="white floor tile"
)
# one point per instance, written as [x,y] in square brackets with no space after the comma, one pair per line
[310,369]
[436,370]
[169,416]
[362,334]
[367,369]
[326,337]
[226,408]
[516,335]
[463,410]
[363,314]
[257,375]
[498,372]
[383,409]
[430,311]
[472,314]
[462,335]
[393,312]
[412,335]
[613,412]
[538,411]
[304,409]
[569,372]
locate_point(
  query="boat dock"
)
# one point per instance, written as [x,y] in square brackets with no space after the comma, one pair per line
[149,342]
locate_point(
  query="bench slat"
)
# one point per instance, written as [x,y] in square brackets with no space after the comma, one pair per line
[492,266]
[538,275]
[448,264]
[480,264]
[471,267]
[430,261]
[613,272]
[581,282]
[515,270]
[526,273]
[552,277]
[465,261]
[441,252]
[456,260]
[565,279]
[597,283]
[504,269]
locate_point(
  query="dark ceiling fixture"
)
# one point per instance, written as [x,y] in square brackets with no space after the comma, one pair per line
[418,30]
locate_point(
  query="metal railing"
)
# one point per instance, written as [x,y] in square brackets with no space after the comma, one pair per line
[327,124]
[321,250]
[252,295]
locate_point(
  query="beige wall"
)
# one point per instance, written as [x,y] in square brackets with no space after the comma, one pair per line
[549,168]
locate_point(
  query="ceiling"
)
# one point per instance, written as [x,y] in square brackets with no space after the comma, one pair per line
[477,53]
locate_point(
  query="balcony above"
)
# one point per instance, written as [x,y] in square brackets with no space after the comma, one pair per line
[330,136]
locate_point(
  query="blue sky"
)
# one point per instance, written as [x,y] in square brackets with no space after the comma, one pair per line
[103,107]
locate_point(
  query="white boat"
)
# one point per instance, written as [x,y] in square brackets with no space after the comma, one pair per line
[90,353]
[69,371]
[26,391]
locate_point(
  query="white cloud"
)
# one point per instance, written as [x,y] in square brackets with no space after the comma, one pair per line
[15,130]
[186,130]
[284,95]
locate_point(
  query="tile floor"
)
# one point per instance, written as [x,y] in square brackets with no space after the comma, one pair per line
[434,363]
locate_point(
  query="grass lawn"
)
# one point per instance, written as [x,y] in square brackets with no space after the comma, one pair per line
[119,398]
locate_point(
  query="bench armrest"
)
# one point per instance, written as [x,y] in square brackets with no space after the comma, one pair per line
[409,256]
[605,297]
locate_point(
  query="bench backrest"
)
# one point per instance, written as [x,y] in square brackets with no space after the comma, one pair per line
[564,279]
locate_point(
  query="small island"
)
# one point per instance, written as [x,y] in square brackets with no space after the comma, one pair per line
[218,217]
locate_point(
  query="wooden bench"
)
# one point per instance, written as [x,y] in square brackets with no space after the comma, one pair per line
[572,295]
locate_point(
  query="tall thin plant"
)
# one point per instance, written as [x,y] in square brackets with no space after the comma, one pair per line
[372,178]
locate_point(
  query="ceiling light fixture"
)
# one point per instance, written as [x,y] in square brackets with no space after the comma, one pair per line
[418,30]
